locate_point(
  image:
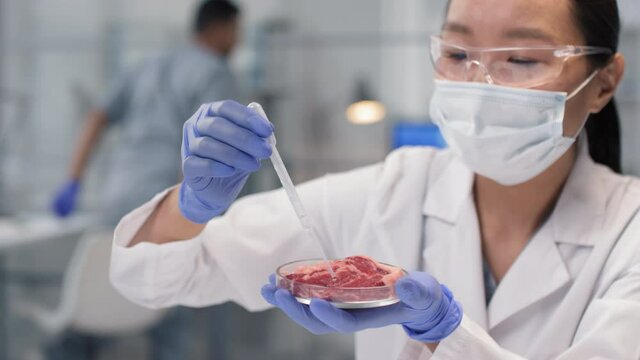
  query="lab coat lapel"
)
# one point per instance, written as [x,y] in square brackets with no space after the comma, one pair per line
[578,212]
[622,208]
[537,273]
[394,210]
[453,252]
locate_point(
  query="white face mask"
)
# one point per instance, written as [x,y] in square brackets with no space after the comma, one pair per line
[509,135]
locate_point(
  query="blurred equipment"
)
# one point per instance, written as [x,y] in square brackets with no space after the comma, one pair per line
[88,304]
[417,134]
[18,232]
[365,109]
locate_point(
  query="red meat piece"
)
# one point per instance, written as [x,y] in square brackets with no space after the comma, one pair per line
[351,272]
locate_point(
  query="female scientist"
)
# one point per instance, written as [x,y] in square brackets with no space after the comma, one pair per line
[521,244]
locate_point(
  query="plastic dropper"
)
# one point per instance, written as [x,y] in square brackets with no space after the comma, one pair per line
[306,221]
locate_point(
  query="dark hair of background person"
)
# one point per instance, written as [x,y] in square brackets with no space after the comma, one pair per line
[599,22]
[214,12]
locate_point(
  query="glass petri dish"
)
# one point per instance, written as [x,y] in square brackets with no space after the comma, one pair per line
[341,297]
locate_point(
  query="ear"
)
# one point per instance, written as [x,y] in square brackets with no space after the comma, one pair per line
[608,80]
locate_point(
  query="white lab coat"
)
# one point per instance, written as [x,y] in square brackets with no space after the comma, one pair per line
[573,293]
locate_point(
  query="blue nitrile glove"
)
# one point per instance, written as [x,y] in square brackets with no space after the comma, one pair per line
[222,144]
[65,199]
[427,310]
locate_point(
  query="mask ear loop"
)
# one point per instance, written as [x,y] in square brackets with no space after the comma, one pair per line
[574,93]
[583,85]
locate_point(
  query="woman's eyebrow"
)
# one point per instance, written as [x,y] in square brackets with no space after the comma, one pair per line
[528,33]
[514,33]
[452,26]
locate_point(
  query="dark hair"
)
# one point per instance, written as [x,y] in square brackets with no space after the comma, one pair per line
[599,21]
[212,12]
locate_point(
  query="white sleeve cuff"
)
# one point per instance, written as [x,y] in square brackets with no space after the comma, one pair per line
[453,346]
[143,271]
[415,350]
[471,341]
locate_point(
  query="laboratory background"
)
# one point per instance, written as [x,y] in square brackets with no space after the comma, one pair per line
[344,82]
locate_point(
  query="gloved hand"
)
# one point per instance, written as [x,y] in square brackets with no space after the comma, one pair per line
[427,310]
[65,200]
[222,144]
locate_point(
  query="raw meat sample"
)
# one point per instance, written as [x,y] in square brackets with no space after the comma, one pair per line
[358,278]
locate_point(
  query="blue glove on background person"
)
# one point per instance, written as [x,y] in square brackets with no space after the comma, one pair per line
[64,202]
[222,144]
[427,310]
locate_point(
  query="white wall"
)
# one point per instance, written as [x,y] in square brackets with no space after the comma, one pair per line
[628,97]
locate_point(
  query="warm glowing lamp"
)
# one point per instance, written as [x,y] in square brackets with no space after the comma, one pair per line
[365,110]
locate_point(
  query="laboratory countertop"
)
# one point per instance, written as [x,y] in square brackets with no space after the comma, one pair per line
[27,229]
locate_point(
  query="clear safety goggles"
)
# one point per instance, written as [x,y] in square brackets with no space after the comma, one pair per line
[523,67]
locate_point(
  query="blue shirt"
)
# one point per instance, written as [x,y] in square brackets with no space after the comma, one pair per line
[150,105]
[490,284]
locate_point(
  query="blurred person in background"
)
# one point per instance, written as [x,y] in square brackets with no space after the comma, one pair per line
[150,104]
